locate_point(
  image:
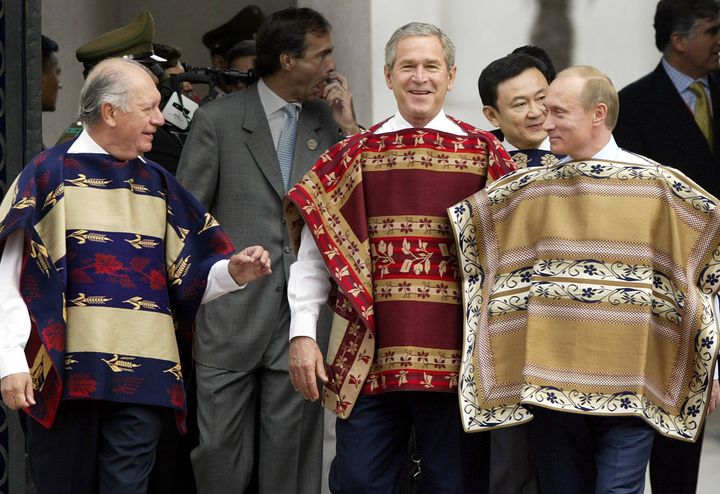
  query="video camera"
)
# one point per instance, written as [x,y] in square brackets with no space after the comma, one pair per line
[208,83]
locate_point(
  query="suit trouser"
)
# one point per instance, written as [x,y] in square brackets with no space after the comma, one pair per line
[577,453]
[512,465]
[675,465]
[289,452]
[95,446]
[372,444]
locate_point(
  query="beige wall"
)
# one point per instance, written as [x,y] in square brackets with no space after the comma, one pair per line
[621,45]
[351,31]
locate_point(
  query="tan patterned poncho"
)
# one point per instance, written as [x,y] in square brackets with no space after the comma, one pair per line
[589,287]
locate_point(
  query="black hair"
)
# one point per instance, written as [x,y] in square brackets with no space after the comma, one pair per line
[503,69]
[679,16]
[48,47]
[284,32]
[537,52]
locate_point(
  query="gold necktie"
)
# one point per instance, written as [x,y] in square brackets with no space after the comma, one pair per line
[702,111]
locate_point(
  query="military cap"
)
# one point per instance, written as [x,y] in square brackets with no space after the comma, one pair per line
[242,26]
[133,40]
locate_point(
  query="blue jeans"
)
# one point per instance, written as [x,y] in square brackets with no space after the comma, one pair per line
[578,453]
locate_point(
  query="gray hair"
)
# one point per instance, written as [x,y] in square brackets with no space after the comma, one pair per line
[108,82]
[419,29]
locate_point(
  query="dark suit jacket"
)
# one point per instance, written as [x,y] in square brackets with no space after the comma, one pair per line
[655,121]
[230,165]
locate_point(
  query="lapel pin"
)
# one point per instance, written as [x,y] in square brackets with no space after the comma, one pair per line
[312,144]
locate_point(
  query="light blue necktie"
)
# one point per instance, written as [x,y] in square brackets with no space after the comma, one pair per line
[286,146]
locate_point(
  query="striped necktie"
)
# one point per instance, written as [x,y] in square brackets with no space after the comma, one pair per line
[702,111]
[286,146]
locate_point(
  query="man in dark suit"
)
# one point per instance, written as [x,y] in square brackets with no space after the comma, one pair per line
[242,154]
[664,117]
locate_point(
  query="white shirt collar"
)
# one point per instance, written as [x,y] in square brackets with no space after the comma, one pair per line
[269,100]
[609,152]
[544,145]
[86,144]
[441,122]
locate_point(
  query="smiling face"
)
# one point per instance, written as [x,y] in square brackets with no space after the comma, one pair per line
[419,78]
[568,124]
[134,129]
[520,111]
[698,51]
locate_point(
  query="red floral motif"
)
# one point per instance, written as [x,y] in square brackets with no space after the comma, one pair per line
[221,243]
[107,264]
[43,180]
[139,263]
[81,385]
[79,276]
[177,395]
[157,279]
[126,385]
[53,336]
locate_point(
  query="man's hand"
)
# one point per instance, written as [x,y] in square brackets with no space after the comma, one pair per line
[306,362]
[249,264]
[337,94]
[17,390]
[714,396]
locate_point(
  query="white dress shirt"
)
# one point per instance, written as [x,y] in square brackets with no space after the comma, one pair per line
[272,105]
[309,281]
[15,320]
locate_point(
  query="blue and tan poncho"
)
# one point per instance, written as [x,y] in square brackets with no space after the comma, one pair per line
[116,261]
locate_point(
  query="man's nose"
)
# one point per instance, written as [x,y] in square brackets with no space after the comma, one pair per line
[330,61]
[535,109]
[157,118]
[548,123]
[419,73]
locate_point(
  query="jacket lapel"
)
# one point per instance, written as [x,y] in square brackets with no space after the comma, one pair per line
[260,142]
[676,117]
[308,145]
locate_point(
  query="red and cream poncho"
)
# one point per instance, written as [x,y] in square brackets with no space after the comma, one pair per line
[375,204]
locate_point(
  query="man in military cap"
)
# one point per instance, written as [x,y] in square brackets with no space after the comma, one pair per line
[243,152]
[222,38]
[132,41]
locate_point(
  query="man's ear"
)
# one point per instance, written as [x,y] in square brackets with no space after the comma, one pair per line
[108,113]
[600,114]
[287,61]
[451,76]
[388,80]
[492,115]
[678,41]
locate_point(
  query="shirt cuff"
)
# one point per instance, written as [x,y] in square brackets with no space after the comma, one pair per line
[223,277]
[219,282]
[303,324]
[13,361]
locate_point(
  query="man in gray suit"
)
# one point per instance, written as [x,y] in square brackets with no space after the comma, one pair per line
[236,161]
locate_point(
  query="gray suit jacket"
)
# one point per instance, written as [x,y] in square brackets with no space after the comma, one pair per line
[230,165]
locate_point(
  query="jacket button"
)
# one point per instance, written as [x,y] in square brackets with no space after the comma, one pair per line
[288,250]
